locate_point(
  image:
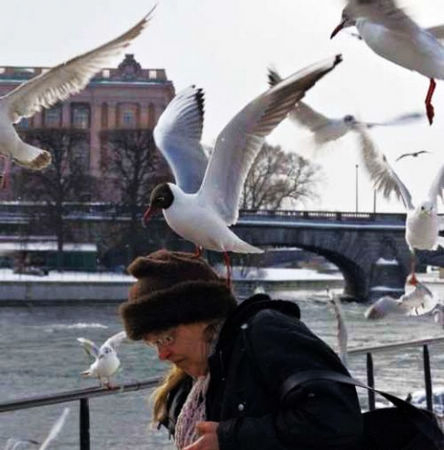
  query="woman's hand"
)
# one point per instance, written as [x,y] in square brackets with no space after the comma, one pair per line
[208,437]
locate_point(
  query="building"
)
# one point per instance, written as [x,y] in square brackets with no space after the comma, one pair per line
[128,96]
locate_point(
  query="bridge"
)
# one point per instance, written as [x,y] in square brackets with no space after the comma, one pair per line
[369,249]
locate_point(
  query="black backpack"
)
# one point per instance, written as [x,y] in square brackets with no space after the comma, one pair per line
[402,427]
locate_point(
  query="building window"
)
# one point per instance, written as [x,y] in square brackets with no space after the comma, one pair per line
[52,118]
[128,115]
[152,74]
[151,116]
[25,123]
[104,116]
[80,115]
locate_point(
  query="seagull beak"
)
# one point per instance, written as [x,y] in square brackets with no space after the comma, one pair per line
[337,29]
[148,213]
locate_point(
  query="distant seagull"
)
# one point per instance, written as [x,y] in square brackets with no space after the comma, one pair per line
[325,129]
[201,212]
[15,444]
[106,361]
[392,34]
[414,154]
[417,302]
[47,89]
[422,222]
[342,333]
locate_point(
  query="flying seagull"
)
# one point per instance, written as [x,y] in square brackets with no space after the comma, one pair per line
[201,212]
[414,154]
[420,300]
[325,129]
[47,89]
[392,34]
[422,222]
[106,361]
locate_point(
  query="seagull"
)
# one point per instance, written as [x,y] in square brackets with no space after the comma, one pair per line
[342,333]
[47,89]
[414,154]
[327,130]
[392,34]
[422,222]
[417,302]
[106,361]
[205,200]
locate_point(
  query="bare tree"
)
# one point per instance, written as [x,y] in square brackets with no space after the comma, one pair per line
[134,167]
[65,180]
[279,179]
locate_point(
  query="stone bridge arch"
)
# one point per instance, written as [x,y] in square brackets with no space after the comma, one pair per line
[373,262]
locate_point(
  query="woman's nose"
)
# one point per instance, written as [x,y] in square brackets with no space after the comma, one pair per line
[163,352]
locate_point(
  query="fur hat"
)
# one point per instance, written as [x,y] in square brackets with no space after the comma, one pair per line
[173,288]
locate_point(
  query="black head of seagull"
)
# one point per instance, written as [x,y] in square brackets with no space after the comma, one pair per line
[161,198]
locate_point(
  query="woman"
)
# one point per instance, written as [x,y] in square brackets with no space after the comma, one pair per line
[227,388]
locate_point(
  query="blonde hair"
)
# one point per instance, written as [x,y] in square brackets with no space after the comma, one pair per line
[160,395]
[175,376]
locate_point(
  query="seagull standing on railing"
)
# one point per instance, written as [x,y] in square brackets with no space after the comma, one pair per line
[47,89]
[106,361]
[422,222]
[392,34]
[202,210]
[325,129]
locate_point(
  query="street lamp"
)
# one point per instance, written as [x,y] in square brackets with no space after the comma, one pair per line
[356,186]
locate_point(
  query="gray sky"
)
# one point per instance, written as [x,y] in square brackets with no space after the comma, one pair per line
[226,46]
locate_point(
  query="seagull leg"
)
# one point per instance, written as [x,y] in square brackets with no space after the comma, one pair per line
[428,101]
[198,252]
[228,266]
[411,279]
[4,177]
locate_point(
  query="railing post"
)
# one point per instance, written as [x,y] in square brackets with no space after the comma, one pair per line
[427,377]
[370,382]
[84,424]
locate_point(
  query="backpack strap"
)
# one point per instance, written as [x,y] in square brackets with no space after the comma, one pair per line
[416,415]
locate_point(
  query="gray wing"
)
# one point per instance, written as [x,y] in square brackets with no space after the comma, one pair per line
[437,185]
[388,13]
[384,178]
[240,141]
[115,340]
[342,333]
[55,429]
[437,31]
[90,347]
[67,78]
[419,302]
[403,119]
[177,135]
[302,113]
[383,306]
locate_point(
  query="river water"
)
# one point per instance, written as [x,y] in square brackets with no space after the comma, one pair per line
[40,355]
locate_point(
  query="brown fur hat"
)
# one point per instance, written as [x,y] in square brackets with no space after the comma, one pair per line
[173,288]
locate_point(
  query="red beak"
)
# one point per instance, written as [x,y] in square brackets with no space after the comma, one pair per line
[148,213]
[337,29]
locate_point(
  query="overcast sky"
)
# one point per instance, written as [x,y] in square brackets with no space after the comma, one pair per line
[226,46]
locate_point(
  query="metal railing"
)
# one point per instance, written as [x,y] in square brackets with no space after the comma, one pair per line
[83,395]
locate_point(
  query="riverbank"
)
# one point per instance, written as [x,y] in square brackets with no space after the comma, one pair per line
[85,287]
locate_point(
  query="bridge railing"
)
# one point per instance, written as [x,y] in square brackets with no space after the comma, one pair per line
[83,395]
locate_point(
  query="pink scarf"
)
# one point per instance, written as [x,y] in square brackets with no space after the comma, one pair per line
[192,412]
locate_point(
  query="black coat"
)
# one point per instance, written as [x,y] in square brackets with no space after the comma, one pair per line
[260,345]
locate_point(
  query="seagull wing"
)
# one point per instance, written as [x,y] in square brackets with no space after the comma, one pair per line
[115,340]
[90,347]
[382,307]
[420,301]
[384,178]
[56,429]
[342,333]
[67,78]
[177,135]
[437,185]
[403,119]
[302,113]
[241,140]
[437,31]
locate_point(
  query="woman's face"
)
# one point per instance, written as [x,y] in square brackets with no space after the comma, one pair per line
[187,346]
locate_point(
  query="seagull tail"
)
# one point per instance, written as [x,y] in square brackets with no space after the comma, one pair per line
[86,373]
[241,246]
